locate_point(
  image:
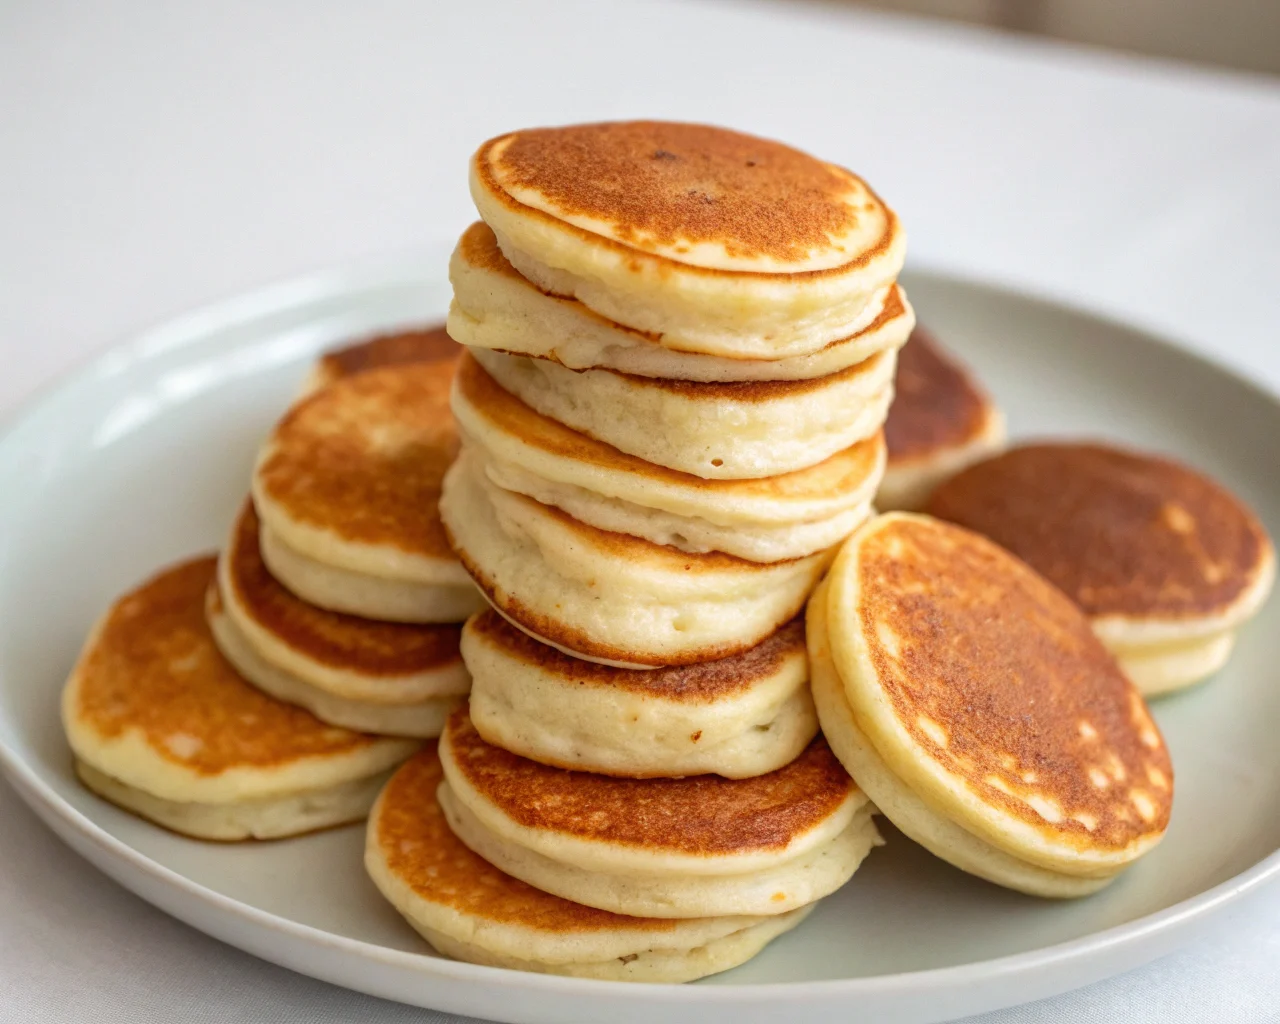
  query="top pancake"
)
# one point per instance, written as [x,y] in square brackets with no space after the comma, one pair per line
[424,345]
[153,703]
[937,407]
[359,465]
[985,689]
[703,683]
[1125,535]
[694,194]
[366,647]
[509,429]
[702,815]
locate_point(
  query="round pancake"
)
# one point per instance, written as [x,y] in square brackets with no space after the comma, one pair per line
[610,597]
[941,420]
[744,430]
[767,520]
[737,717]
[983,689]
[421,345]
[161,724]
[468,909]
[372,676]
[347,487]
[1165,562]
[711,240]
[892,798]
[696,847]
[495,308]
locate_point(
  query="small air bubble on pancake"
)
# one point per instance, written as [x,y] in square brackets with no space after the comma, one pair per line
[1086,819]
[1046,808]
[1099,778]
[1116,769]
[1088,731]
[1143,803]
[890,640]
[1177,518]
[1157,777]
[933,730]
[995,782]
[1030,777]
[183,744]
[187,663]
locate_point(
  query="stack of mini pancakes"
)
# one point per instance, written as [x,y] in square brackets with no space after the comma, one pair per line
[270,692]
[681,344]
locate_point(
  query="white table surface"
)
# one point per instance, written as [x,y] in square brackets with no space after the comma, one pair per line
[157,156]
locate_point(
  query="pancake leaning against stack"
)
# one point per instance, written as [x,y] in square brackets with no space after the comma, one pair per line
[1167,564]
[682,349]
[971,700]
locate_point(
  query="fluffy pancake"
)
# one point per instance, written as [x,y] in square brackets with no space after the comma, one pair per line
[383,677]
[468,909]
[712,241]
[347,487]
[673,848]
[738,717]
[941,420]
[611,597]
[983,691]
[161,724]
[1166,563]
[767,520]
[494,307]
[422,345]
[735,431]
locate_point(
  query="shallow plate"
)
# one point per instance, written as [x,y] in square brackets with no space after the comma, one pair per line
[141,459]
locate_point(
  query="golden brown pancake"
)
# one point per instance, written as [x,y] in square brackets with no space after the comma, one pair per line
[663,185]
[938,405]
[985,690]
[162,724]
[843,472]
[424,345]
[366,648]
[1122,533]
[704,816]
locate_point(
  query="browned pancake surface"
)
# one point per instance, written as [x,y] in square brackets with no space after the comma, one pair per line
[423,852]
[998,677]
[343,641]
[425,345]
[937,404]
[701,683]
[666,184]
[1120,532]
[705,814]
[845,471]
[364,457]
[155,668]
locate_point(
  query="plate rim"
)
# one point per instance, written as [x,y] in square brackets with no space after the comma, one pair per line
[403,271]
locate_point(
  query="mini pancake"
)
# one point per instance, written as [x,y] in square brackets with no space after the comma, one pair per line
[382,677]
[736,431]
[712,241]
[941,420]
[1166,563]
[768,520]
[610,597]
[738,717]
[670,848]
[978,691]
[161,724]
[495,308]
[422,345]
[469,910]
[346,487]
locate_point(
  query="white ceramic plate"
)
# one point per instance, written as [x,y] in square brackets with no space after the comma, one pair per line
[141,458]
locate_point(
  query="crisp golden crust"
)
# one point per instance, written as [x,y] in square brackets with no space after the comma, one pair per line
[365,646]
[845,471]
[703,815]
[997,678]
[425,345]
[420,850]
[154,669]
[364,458]
[671,186]
[1121,533]
[937,404]
[704,682]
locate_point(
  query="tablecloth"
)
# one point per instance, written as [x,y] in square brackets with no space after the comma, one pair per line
[156,156]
